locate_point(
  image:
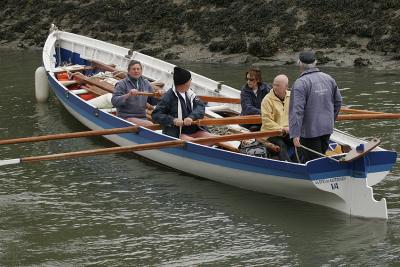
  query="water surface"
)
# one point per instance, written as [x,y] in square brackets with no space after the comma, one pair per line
[122,210]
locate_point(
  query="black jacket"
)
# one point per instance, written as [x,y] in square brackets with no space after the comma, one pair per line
[167,110]
[251,104]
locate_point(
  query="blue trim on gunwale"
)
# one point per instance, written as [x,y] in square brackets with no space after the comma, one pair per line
[319,169]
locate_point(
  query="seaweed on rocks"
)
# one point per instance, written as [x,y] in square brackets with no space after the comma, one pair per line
[258,28]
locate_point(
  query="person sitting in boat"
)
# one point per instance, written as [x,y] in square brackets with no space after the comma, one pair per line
[179,107]
[275,115]
[251,95]
[130,105]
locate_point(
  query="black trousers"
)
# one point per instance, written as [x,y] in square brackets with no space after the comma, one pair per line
[284,142]
[319,144]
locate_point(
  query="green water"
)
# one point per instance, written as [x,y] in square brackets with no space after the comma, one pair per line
[121,210]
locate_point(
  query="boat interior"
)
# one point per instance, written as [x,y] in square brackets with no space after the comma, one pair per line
[95,83]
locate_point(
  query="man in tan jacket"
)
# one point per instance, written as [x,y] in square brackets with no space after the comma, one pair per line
[275,114]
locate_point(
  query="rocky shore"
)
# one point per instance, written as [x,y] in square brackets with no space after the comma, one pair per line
[344,33]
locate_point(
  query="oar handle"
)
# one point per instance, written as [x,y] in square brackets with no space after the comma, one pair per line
[155,94]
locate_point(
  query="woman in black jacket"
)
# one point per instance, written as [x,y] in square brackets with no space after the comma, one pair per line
[252,94]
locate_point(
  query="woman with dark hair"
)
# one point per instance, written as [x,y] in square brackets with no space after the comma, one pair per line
[252,94]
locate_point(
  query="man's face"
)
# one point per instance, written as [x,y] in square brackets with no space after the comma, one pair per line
[279,87]
[251,81]
[184,87]
[135,71]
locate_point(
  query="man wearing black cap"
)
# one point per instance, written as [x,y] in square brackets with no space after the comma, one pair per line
[315,102]
[179,107]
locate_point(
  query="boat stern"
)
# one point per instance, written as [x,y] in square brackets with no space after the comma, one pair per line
[349,182]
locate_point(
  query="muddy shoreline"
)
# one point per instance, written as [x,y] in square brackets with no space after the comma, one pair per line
[328,57]
[344,33]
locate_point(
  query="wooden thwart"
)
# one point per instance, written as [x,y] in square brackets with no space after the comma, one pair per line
[95,90]
[94,81]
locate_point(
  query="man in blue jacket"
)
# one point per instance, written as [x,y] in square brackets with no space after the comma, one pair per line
[252,94]
[315,103]
[179,107]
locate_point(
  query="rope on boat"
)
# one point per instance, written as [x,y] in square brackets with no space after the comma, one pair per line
[315,152]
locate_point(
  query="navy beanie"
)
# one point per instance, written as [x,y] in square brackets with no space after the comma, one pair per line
[181,76]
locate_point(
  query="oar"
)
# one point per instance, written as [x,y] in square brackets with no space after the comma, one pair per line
[141,147]
[251,119]
[358,111]
[219,99]
[352,117]
[131,129]
[205,98]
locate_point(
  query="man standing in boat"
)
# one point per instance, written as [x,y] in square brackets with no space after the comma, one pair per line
[179,107]
[252,94]
[314,106]
[129,104]
[275,115]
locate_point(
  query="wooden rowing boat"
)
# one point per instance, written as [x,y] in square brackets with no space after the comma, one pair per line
[344,186]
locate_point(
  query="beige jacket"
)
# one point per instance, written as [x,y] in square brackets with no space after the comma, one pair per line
[274,113]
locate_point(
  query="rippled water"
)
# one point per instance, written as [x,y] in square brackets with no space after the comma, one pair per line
[122,210]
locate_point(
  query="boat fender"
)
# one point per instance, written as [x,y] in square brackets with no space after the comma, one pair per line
[41,85]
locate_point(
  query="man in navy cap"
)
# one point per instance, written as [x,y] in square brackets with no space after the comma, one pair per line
[179,107]
[315,102]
